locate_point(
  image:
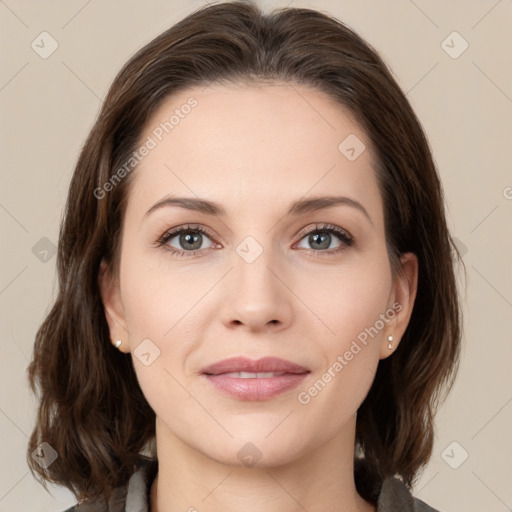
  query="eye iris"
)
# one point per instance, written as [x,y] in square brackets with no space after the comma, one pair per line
[314,239]
[191,237]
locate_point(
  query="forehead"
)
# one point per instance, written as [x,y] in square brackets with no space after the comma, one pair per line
[249,143]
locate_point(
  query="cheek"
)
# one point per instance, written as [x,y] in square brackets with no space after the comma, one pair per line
[352,305]
[348,299]
[158,300]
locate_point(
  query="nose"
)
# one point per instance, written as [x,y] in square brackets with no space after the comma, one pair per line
[256,296]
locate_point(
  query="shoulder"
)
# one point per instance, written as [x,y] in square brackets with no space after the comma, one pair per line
[396,496]
[134,496]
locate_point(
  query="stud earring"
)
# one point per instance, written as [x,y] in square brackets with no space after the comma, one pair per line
[118,343]
[390,339]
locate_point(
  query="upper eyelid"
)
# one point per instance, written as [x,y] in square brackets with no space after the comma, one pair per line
[325,227]
[172,232]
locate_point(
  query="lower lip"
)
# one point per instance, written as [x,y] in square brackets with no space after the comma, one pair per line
[256,389]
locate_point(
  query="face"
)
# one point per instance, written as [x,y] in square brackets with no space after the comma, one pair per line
[265,272]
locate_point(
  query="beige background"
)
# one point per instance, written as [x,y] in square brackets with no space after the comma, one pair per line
[465,104]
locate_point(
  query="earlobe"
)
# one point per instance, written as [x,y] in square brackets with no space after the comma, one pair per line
[402,297]
[112,307]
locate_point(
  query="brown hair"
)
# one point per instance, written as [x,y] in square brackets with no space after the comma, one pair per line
[92,410]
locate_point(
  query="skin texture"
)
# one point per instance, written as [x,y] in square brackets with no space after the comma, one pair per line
[255,148]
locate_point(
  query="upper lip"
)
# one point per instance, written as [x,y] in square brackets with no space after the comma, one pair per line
[243,364]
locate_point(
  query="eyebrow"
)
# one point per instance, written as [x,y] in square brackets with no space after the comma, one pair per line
[298,207]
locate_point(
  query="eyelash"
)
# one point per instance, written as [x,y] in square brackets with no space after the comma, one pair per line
[346,239]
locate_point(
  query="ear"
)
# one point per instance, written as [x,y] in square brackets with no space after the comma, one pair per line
[401,301]
[112,306]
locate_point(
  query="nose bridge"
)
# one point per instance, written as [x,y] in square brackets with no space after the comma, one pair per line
[253,262]
[256,295]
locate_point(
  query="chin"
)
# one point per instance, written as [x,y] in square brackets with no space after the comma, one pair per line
[254,451]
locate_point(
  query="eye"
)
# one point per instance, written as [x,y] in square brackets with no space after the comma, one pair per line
[190,240]
[321,236]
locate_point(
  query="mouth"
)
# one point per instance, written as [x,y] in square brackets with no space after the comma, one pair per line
[246,379]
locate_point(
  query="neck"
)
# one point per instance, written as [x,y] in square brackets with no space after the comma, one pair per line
[319,481]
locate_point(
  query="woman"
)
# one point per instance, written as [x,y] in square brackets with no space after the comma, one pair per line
[257,305]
